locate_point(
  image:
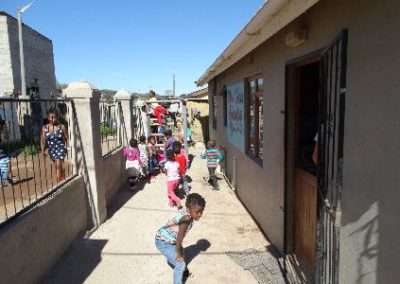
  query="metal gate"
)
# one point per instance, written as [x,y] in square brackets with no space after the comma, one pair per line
[330,152]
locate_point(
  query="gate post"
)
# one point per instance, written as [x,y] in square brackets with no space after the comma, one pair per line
[126,100]
[86,98]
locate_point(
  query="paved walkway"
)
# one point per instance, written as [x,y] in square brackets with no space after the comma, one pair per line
[122,250]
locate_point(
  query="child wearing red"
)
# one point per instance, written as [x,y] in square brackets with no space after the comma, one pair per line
[159,112]
[180,157]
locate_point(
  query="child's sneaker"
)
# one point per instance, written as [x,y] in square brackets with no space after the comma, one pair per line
[187,274]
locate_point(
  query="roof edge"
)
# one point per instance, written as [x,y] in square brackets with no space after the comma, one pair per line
[268,20]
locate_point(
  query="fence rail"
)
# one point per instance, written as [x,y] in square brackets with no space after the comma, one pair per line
[111,126]
[26,173]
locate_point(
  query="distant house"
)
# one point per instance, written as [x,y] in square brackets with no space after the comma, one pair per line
[38,54]
[198,110]
[305,73]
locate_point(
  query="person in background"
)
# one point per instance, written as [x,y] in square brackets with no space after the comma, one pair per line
[169,238]
[5,169]
[144,155]
[160,112]
[132,164]
[171,168]
[181,159]
[168,140]
[151,144]
[212,154]
[53,142]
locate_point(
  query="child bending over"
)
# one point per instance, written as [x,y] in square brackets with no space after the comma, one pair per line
[169,238]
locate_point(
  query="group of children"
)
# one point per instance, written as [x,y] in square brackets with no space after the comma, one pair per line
[172,161]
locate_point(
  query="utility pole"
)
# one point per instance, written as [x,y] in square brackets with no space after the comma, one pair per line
[21,50]
[173,84]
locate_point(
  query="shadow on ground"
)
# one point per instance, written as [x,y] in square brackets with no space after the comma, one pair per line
[77,264]
[123,196]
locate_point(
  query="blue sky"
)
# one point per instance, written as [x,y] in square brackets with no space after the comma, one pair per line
[136,45]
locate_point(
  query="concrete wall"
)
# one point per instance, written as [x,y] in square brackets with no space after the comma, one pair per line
[370,232]
[38,54]
[6,77]
[113,180]
[33,243]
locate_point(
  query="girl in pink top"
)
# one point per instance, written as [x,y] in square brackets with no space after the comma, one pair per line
[133,163]
[171,168]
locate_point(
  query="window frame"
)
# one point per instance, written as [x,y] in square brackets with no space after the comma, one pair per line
[214,105]
[258,96]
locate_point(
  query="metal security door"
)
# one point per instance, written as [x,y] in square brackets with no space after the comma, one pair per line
[330,153]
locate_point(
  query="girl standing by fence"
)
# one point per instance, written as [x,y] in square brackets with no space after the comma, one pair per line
[53,141]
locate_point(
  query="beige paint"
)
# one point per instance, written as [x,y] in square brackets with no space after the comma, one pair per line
[113,175]
[33,243]
[370,243]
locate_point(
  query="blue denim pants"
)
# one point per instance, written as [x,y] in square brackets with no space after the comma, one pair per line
[169,251]
[152,164]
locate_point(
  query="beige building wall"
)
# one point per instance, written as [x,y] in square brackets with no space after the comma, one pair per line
[370,226]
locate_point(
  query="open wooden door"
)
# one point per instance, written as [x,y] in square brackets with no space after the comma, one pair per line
[301,178]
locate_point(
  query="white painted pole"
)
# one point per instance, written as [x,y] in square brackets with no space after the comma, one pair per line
[21,57]
[184,114]
[21,50]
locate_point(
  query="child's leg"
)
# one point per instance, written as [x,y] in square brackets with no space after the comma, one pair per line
[150,166]
[169,251]
[213,178]
[145,170]
[185,185]
[172,185]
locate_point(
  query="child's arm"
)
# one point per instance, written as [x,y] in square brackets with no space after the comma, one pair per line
[220,157]
[183,225]
[203,156]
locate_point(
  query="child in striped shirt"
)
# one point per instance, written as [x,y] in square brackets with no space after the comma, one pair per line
[169,238]
[213,156]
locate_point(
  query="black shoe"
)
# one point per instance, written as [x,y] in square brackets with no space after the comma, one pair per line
[187,274]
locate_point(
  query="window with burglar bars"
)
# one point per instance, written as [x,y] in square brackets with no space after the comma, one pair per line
[35,153]
[255,111]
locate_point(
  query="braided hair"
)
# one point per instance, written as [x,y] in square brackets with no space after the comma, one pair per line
[195,199]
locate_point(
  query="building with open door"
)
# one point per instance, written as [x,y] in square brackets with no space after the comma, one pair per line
[316,79]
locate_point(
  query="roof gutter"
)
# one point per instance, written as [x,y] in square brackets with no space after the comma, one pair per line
[269,19]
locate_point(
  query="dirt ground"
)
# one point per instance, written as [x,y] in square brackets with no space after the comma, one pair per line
[33,177]
[122,250]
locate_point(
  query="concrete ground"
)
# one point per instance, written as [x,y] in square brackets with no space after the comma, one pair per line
[122,250]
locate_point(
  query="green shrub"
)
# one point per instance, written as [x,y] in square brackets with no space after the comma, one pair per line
[105,130]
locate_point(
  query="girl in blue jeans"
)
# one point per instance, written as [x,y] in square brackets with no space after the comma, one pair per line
[169,237]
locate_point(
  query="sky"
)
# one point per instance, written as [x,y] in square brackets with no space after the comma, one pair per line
[136,45]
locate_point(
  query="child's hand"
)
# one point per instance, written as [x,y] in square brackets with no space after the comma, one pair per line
[179,256]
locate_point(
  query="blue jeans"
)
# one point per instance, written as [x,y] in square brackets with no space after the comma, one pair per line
[169,251]
[152,163]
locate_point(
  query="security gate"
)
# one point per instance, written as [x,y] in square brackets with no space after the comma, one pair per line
[330,152]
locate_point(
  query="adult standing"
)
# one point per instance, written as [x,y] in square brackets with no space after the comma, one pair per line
[53,142]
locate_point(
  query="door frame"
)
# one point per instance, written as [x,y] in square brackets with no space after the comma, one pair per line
[291,104]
